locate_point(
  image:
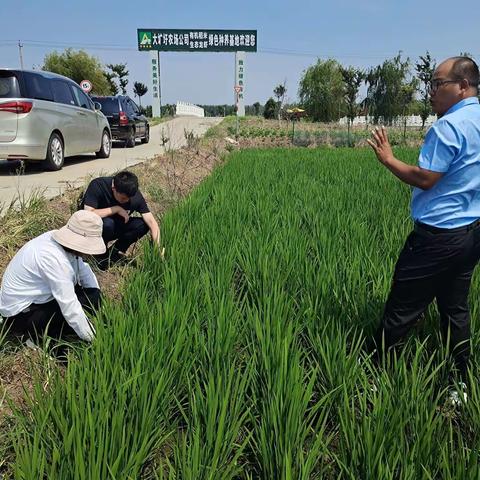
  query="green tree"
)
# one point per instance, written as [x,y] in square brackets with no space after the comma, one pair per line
[425,68]
[78,65]
[321,91]
[256,107]
[140,89]
[120,73]
[385,89]
[270,108]
[353,78]
[279,91]
[147,111]
[111,81]
[366,103]
[407,97]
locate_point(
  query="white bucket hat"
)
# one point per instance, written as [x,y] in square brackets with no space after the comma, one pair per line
[82,233]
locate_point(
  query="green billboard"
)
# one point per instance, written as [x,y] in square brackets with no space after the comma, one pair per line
[196,40]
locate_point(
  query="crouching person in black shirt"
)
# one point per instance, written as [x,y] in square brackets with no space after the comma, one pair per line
[115,199]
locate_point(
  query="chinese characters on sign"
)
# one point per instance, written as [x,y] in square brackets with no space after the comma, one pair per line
[197,40]
[155,83]
[240,83]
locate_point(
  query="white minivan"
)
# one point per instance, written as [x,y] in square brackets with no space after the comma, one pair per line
[47,117]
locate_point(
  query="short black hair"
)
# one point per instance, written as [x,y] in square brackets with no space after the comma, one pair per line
[126,183]
[465,68]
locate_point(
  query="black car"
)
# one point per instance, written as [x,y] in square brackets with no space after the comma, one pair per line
[126,121]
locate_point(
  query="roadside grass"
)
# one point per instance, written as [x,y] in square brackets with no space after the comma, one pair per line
[158,120]
[30,216]
[240,355]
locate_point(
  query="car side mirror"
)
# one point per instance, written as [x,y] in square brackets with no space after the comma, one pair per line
[98,106]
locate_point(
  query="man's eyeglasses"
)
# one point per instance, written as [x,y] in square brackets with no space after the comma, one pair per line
[436,84]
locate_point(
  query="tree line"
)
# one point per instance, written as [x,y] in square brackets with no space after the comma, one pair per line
[327,91]
[79,65]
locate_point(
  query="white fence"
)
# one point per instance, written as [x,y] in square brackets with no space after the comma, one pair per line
[184,108]
[412,121]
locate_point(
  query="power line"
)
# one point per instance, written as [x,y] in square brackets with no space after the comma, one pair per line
[92,46]
[320,55]
[266,50]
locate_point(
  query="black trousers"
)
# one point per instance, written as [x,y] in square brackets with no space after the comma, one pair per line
[115,228]
[434,264]
[41,317]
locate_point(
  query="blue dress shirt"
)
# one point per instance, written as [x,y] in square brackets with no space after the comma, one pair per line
[452,146]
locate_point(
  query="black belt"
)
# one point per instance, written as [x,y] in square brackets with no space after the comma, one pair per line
[424,228]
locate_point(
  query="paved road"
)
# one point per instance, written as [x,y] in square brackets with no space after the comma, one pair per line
[13,184]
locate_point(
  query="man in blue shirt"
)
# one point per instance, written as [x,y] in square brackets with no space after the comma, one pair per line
[439,256]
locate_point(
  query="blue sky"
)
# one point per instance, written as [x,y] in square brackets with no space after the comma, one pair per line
[291,35]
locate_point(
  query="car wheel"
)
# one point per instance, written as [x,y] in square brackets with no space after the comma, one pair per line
[130,142]
[55,153]
[106,146]
[146,138]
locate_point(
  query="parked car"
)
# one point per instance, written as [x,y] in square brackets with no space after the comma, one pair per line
[47,117]
[127,122]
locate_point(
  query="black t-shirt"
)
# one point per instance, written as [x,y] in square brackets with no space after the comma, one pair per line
[99,195]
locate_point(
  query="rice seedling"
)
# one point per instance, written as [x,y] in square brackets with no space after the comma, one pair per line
[241,354]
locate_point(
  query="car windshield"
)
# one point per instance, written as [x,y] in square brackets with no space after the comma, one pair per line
[8,86]
[109,105]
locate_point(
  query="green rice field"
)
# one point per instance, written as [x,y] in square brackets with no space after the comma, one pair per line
[241,355]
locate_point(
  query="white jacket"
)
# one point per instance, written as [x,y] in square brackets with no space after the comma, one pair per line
[42,270]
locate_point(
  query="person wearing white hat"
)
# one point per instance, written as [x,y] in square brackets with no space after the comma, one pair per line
[47,286]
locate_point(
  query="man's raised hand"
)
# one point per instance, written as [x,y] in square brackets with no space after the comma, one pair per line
[381,145]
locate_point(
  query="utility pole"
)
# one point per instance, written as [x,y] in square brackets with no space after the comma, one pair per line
[20,46]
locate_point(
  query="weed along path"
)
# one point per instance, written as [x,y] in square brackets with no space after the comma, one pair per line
[14,184]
